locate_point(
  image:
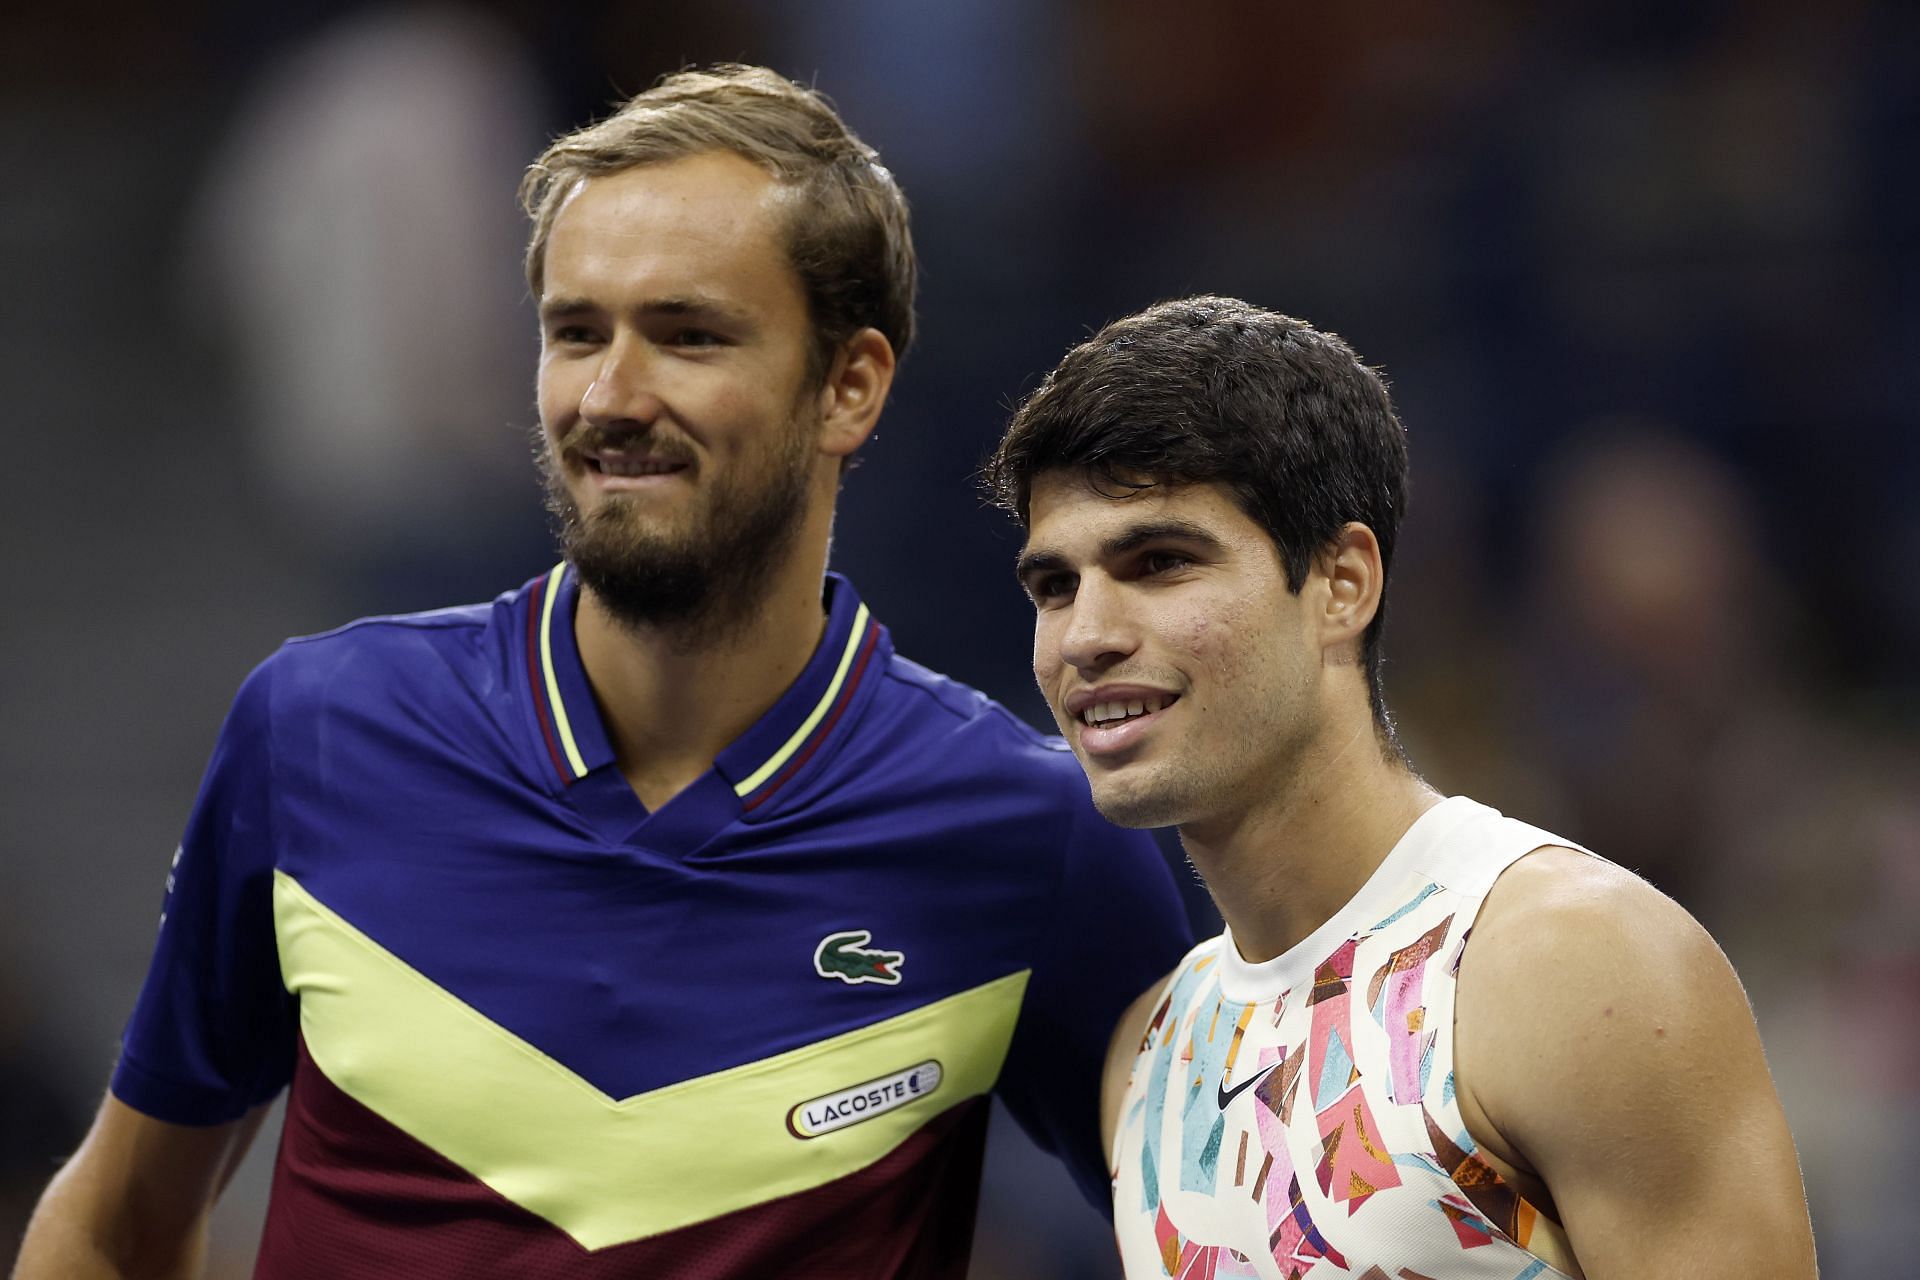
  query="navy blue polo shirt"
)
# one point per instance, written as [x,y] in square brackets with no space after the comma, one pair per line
[532,1028]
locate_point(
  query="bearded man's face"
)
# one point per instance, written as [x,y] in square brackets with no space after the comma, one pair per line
[678,413]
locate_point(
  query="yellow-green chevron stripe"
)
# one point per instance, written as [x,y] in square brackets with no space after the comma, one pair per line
[607,1170]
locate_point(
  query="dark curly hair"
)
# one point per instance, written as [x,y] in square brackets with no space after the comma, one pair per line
[1210,390]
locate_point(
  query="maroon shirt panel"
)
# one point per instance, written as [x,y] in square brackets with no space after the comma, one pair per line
[353,1195]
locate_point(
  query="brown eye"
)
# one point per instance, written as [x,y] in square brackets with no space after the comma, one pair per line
[1051,586]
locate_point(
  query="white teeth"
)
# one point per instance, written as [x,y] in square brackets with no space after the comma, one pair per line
[1106,712]
[616,465]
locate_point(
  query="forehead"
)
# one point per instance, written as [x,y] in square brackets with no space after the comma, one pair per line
[1069,515]
[706,223]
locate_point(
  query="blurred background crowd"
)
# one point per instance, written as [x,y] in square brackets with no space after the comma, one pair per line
[1645,278]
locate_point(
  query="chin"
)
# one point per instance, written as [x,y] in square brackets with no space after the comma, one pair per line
[1137,803]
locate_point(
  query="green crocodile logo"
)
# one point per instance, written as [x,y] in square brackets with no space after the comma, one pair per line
[847,957]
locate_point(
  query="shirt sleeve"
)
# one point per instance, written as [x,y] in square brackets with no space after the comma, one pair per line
[211,1035]
[1117,927]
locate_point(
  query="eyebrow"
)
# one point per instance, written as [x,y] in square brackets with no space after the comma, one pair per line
[678,306]
[1132,538]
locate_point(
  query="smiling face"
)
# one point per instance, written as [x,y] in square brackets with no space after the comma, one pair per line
[678,417]
[1183,672]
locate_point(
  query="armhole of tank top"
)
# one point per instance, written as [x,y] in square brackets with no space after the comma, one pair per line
[1159,1011]
[1162,1011]
[1492,1193]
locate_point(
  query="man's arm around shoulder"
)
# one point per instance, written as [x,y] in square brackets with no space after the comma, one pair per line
[134,1200]
[1604,1043]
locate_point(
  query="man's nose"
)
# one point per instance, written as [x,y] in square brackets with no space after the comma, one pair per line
[623,388]
[1100,631]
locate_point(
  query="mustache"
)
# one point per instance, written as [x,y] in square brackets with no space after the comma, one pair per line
[585,437]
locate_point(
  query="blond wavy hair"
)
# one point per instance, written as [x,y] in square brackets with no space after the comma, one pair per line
[847,234]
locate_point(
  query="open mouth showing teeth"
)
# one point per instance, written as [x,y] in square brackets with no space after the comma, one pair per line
[1113,712]
[614,464]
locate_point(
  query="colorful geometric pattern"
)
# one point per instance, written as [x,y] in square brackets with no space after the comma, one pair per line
[1298,1118]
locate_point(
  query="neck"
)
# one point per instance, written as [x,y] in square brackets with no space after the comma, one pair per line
[671,705]
[1286,863]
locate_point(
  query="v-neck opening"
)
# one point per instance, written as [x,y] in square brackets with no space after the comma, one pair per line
[762,771]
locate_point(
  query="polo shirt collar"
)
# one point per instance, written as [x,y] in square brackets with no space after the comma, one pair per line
[575,740]
[764,759]
[759,764]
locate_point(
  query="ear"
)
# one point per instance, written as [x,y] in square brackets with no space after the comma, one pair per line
[1355,579]
[855,391]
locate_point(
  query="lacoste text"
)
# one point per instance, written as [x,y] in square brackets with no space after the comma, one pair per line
[864,1101]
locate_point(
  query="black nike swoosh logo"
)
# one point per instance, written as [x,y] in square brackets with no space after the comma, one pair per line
[1228,1095]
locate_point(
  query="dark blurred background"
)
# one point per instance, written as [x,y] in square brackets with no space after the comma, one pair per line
[1645,277]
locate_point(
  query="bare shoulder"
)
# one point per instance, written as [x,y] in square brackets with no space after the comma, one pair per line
[1604,1044]
[1594,961]
[1561,906]
[1594,1004]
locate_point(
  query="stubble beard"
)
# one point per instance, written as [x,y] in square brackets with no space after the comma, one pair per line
[1161,791]
[702,584]
[1164,799]
[1215,783]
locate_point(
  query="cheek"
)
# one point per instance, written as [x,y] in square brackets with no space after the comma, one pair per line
[1046,650]
[740,403]
[555,392]
[1203,637]
[1218,637]
[1234,647]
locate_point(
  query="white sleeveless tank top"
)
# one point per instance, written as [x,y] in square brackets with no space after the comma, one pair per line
[1296,1119]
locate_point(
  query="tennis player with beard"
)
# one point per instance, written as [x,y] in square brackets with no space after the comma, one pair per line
[655,919]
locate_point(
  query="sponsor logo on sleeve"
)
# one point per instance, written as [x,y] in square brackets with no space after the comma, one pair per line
[819,1116]
[173,870]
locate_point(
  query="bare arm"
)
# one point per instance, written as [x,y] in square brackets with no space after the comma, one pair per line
[134,1200]
[1121,1051]
[1604,1044]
